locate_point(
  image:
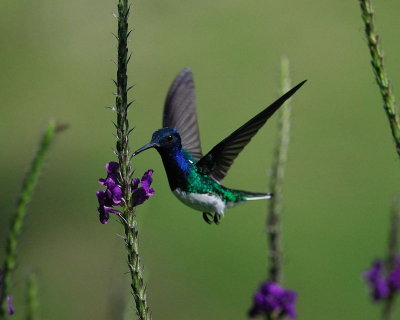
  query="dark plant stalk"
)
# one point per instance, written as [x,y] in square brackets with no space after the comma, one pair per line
[389,105]
[17,219]
[276,183]
[392,112]
[393,252]
[128,217]
[32,298]
[393,247]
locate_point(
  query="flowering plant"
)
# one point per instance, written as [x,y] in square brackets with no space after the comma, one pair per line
[112,196]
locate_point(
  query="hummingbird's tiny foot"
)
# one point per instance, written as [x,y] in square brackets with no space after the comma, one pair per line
[206,217]
[216,218]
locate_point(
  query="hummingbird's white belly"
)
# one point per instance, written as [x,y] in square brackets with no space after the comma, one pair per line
[205,202]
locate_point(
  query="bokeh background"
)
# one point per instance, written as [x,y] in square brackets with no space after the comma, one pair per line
[56,61]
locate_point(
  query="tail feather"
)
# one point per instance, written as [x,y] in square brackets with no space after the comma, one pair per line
[258,196]
[255,195]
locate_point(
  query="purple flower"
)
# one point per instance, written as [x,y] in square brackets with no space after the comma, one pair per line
[143,193]
[376,281]
[382,281]
[394,276]
[271,298]
[104,213]
[112,170]
[10,306]
[112,196]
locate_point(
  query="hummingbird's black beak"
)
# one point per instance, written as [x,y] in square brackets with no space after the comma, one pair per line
[145,147]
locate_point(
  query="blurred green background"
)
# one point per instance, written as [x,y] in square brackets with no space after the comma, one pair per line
[56,62]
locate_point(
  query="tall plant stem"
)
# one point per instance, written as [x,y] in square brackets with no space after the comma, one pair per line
[17,219]
[128,218]
[276,183]
[389,105]
[393,252]
[32,298]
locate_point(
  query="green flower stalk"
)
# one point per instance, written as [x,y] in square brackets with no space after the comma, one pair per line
[389,105]
[131,195]
[383,278]
[17,220]
[271,300]
[32,298]
[394,235]
[393,257]
[276,182]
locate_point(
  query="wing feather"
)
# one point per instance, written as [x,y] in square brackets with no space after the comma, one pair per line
[180,112]
[217,162]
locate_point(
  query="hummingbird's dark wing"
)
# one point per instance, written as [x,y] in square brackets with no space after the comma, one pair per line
[217,162]
[180,112]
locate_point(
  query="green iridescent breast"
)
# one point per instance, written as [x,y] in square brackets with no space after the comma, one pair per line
[197,182]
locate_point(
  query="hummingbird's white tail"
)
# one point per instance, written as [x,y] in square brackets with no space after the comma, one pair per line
[248,195]
[257,195]
[265,196]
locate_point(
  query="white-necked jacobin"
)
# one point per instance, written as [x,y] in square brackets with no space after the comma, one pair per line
[194,178]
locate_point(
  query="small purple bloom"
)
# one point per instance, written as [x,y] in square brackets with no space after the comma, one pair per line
[113,169]
[394,276]
[104,213]
[10,306]
[376,281]
[112,196]
[109,198]
[143,193]
[271,298]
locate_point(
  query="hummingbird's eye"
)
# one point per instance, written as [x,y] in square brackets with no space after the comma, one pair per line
[169,138]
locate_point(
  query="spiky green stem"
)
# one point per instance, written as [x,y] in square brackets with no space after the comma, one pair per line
[389,105]
[17,219]
[121,100]
[32,298]
[128,218]
[276,183]
[393,253]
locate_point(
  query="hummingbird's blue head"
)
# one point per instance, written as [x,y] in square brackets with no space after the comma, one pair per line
[162,140]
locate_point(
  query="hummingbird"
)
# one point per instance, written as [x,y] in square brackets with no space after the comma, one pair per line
[194,178]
